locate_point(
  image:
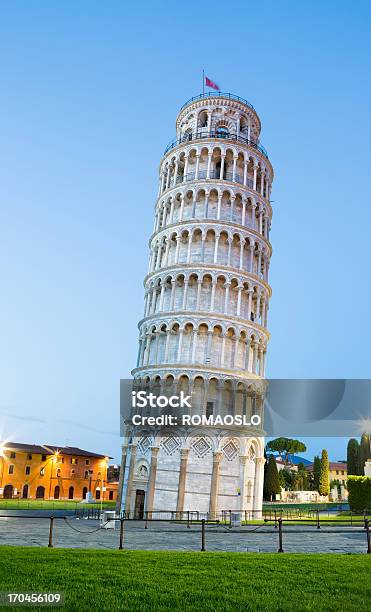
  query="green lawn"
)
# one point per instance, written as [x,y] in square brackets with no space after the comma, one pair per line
[27,504]
[185,581]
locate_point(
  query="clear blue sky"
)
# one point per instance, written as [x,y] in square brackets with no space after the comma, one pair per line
[89,95]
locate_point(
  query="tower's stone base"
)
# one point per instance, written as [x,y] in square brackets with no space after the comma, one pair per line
[206,472]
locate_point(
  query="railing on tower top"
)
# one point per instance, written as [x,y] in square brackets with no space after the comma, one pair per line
[218,94]
[221,135]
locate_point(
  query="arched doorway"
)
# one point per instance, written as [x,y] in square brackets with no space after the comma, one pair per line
[25,492]
[70,493]
[84,492]
[8,492]
[139,504]
[97,494]
[40,492]
[57,492]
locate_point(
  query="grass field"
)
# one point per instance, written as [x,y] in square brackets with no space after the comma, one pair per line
[180,581]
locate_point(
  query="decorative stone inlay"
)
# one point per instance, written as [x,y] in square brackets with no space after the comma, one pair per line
[144,444]
[230,450]
[201,447]
[170,445]
[251,454]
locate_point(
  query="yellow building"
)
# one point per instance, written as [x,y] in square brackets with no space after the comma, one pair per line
[28,471]
[338,471]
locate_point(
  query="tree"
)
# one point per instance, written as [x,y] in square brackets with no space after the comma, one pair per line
[285,447]
[316,472]
[272,482]
[364,452]
[353,457]
[324,479]
[302,478]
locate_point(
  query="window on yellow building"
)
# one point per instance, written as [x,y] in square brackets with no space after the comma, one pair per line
[86,473]
[43,457]
[11,469]
[29,457]
[73,460]
[42,472]
[12,455]
[87,462]
[28,470]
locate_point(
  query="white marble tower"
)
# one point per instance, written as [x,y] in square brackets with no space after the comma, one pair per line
[205,319]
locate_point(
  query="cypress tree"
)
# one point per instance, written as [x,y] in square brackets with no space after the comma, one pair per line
[353,457]
[316,472]
[324,479]
[272,481]
[364,452]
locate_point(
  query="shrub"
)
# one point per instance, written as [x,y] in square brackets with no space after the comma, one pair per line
[359,488]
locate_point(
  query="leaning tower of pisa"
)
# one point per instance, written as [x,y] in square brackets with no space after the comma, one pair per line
[204,328]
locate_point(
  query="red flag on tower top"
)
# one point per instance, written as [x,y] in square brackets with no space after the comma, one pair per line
[210,83]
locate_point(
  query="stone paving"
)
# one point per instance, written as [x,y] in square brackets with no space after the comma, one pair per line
[82,533]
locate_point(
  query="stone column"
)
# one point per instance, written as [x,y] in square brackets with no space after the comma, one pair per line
[234,168]
[255,176]
[172,298]
[182,481]
[185,294]
[222,167]
[242,245]
[151,481]
[208,165]
[206,209]
[199,286]
[218,214]
[181,207]
[245,173]
[129,490]
[243,478]
[194,345]
[124,451]
[258,487]
[252,250]
[175,173]
[197,166]
[185,167]
[216,249]
[262,175]
[213,507]
[212,300]
[240,289]
[171,215]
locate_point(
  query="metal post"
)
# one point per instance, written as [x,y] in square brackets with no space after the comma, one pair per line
[367,527]
[280,549]
[146,523]
[275,519]
[50,545]
[230,519]
[203,535]
[121,546]
[318,525]
[188,523]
